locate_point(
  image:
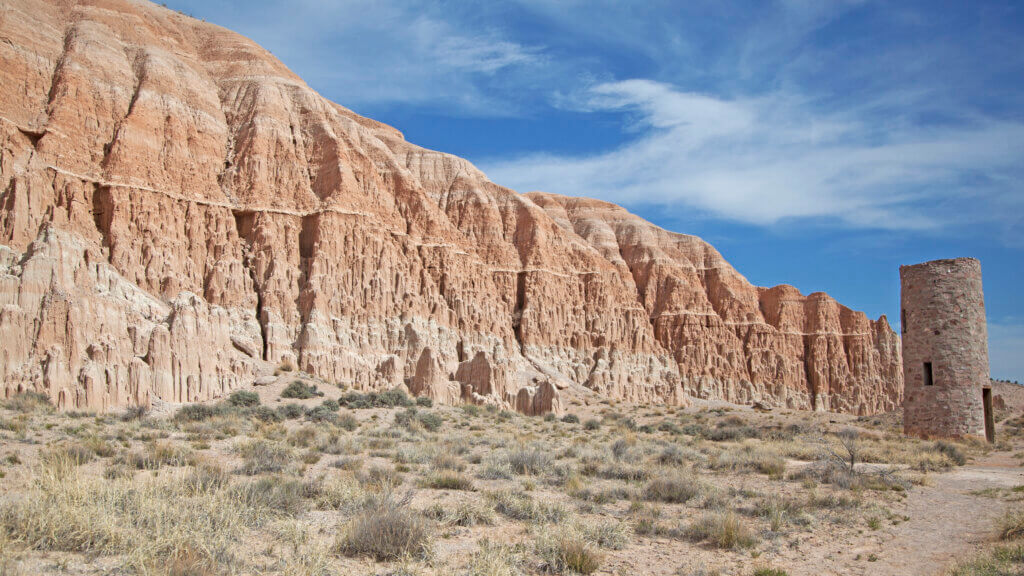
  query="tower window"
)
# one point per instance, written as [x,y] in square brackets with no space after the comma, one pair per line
[903,320]
[928,374]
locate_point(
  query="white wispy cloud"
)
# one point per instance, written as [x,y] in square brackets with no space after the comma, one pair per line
[767,159]
[381,53]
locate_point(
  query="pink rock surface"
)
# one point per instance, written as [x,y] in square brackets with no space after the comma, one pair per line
[180,213]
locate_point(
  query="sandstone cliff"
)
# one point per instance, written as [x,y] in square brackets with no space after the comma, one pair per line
[180,213]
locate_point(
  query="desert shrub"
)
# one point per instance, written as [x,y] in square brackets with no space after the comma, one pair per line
[622,449]
[470,409]
[495,467]
[611,535]
[723,529]
[302,437]
[195,413]
[290,411]
[159,454]
[674,488]
[591,424]
[261,456]
[146,521]
[567,552]
[493,560]
[752,457]
[1011,526]
[446,460]
[380,478]
[385,530]
[461,513]
[341,492]
[322,413]
[265,414]
[274,493]
[780,511]
[347,422]
[532,460]
[424,402]
[243,399]
[670,427]
[952,451]
[350,463]
[28,402]
[731,430]
[521,506]
[448,480]
[765,571]
[74,453]
[299,390]
[331,405]
[386,399]
[571,419]
[206,477]
[134,413]
[615,471]
[413,419]
[674,455]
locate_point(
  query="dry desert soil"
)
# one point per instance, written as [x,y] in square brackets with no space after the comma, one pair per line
[349,483]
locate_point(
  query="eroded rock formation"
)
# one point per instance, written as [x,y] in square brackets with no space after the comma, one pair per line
[180,213]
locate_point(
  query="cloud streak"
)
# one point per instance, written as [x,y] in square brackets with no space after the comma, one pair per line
[769,159]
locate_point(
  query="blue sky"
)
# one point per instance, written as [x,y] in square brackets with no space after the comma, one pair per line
[820,144]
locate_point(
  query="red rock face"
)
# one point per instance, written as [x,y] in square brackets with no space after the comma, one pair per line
[179,213]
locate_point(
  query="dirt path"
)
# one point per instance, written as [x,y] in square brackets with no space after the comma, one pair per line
[947,522]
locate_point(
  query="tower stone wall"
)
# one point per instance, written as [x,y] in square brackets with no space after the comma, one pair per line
[943,326]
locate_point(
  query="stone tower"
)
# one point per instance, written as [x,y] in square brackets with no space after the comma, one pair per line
[945,350]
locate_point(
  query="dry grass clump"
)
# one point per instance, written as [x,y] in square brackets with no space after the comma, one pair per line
[149,521]
[611,535]
[28,402]
[674,488]
[751,456]
[1011,526]
[385,530]
[462,513]
[160,454]
[380,479]
[448,480]
[531,460]
[262,456]
[567,551]
[780,511]
[336,492]
[273,493]
[494,560]
[723,530]
[521,506]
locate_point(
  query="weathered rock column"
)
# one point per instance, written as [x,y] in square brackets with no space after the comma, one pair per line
[945,348]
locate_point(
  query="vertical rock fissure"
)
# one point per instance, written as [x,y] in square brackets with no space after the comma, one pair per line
[103,215]
[244,223]
[517,312]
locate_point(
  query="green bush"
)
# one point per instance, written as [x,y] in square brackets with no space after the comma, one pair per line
[195,413]
[322,414]
[300,391]
[386,399]
[424,402]
[290,411]
[571,419]
[243,399]
[411,418]
[591,424]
